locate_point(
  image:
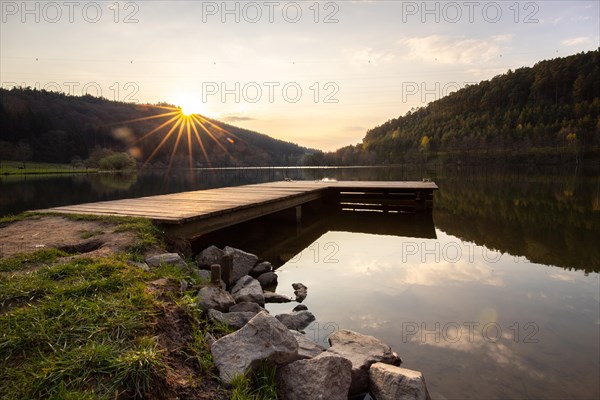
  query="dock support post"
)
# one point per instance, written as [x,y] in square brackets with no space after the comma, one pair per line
[298,214]
[226,269]
[215,274]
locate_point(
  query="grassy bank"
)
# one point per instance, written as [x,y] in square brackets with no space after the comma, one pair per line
[75,326]
[37,168]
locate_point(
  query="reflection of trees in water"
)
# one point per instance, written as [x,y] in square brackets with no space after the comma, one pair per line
[548,219]
[108,183]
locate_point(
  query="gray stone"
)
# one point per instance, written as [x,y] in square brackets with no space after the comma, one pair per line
[300,307]
[263,338]
[141,265]
[297,321]
[388,382]
[271,297]
[248,289]
[261,268]
[209,339]
[183,286]
[242,262]
[306,347]
[362,351]
[202,275]
[268,279]
[326,377]
[236,320]
[214,298]
[166,259]
[300,291]
[209,256]
[246,306]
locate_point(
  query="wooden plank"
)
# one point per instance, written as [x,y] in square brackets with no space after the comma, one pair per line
[210,209]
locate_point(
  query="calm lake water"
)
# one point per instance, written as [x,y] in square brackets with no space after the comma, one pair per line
[495,295]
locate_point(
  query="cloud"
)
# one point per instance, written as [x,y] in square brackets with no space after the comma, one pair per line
[236,118]
[454,50]
[476,342]
[577,41]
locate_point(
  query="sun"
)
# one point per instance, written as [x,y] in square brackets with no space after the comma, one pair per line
[191,105]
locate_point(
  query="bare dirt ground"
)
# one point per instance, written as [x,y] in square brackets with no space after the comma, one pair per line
[95,238]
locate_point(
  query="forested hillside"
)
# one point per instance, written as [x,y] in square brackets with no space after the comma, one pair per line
[549,113]
[54,127]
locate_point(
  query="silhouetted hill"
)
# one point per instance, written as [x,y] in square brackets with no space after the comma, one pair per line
[548,113]
[54,127]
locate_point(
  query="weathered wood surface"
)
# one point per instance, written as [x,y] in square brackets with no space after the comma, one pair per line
[216,208]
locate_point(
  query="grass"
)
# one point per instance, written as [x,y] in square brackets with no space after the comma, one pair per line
[81,327]
[94,328]
[32,168]
[23,260]
[258,386]
[90,234]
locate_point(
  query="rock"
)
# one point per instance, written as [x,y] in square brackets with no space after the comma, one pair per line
[321,378]
[300,291]
[297,321]
[268,279]
[261,268]
[210,339]
[214,298]
[263,338]
[236,320]
[271,297]
[306,347]
[362,351]
[183,286]
[242,262]
[202,275]
[300,307]
[166,259]
[246,306]
[388,382]
[248,289]
[209,256]
[141,265]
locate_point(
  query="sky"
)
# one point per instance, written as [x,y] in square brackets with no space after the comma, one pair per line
[316,73]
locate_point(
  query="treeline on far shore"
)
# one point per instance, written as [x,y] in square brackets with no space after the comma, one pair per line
[545,114]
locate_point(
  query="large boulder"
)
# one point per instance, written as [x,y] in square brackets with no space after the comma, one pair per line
[248,289]
[242,262]
[362,351]
[296,320]
[388,382]
[261,268]
[306,347]
[166,259]
[263,338]
[325,377]
[272,297]
[209,256]
[268,279]
[235,320]
[246,306]
[214,298]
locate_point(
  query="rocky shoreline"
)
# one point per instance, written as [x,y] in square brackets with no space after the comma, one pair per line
[355,365]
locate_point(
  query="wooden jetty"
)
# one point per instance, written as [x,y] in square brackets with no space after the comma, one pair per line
[195,213]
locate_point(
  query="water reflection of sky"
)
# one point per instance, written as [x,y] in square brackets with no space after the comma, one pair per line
[506,328]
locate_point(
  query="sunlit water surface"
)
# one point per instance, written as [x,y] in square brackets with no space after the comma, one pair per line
[477,323]
[495,296]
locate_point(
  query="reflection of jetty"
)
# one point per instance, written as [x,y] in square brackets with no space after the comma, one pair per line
[192,214]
